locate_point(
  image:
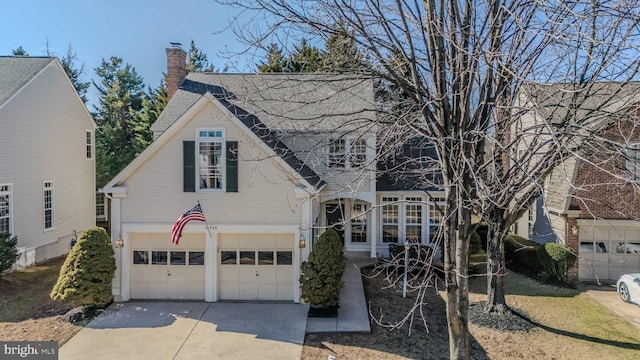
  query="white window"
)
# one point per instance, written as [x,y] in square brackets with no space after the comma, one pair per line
[435,217]
[48,205]
[89,143]
[5,209]
[413,219]
[530,223]
[390,220]
[633,160]
[347,153]
[359,222]
[210,159]
[101,207]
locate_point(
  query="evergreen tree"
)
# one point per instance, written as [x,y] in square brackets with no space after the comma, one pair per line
[152,106]
[197,60]
[118,117]
[86,275]
[341,54]
[74,73]
[19,51]
[275,62]
[305,58]
[8,252]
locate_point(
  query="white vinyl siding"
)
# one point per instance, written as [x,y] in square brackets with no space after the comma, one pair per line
[266,194]
[48,199]
[5,209]
[50,104]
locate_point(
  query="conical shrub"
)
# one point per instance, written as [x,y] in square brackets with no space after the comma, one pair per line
[321,277]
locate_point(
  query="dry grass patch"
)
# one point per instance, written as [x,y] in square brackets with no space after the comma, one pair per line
[568,325]
[27,312]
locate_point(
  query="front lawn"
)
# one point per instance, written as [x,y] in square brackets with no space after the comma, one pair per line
[27,312]
[568,325]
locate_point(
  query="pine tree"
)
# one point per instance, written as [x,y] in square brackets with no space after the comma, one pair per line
[197,60]
[152,106]
[118,117]
[86,275]
[275,62]
[305,58]
[8,252]
[19,51]
[341,54]
[74,73]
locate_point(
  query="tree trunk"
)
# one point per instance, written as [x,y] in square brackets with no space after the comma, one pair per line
[496,302]
[456,248]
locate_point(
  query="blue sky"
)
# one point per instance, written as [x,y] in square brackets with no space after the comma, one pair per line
[136,30]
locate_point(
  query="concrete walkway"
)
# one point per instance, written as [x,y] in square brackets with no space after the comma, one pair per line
[607,295]
[353,314]
[192,330]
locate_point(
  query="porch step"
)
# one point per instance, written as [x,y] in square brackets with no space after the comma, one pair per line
[357,254]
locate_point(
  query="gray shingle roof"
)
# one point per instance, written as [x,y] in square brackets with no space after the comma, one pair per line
[16,71]
[268,103]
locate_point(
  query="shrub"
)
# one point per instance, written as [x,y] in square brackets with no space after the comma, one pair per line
[483,231]
[321,277]
[86,275]
[522,251]
[8,252]
[475,244]
[556,260]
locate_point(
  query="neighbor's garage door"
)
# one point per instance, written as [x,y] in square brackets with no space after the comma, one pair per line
[607,253]
[162,270]
[256,266]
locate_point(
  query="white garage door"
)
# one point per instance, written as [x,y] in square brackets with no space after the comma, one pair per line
[256,266]
[162,270]
[607,253]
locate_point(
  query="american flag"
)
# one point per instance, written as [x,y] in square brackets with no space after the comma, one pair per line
[195,213]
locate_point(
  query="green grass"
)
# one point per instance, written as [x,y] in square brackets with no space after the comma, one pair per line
[23,292]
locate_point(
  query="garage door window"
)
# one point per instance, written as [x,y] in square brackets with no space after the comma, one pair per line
[285,258]
[196,258]
[159,258]
[247,257]
[265,258]
[178,258]
[228,258]
[140,257]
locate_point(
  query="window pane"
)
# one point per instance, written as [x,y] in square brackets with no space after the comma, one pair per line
[265,258]
[285,258]
[197,258]
[390,214]
[178,258]
[617,247]
[210,165]
[228,257]
[586,247]
[337,153]
[390,233]
[247,257]
[159,257]
[358,153]
[601,247]
[414,233]
[140,257]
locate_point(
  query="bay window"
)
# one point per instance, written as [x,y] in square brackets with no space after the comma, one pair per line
[390,220]
[359,222]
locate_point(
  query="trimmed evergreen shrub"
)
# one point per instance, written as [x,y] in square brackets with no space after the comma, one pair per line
[8,252]
[520,250]
[321,277]
[556,260]
[86,275]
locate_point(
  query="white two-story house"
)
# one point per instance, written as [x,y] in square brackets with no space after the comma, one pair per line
[274,160]
[47,158]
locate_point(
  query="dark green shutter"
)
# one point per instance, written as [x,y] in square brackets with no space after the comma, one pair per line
[189,166]
[232,166]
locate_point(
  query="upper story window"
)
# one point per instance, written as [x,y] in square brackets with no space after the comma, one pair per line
[48,205]
[89,144]
[211,149]
[5,209]
[349,153]
[633,160]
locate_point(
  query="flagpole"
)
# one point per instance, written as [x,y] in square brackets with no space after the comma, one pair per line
[206,224]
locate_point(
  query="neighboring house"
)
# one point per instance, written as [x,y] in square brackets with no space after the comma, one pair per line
[592,203]
[47,166]
[273,159]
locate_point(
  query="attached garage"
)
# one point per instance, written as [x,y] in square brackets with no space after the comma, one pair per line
[256,266]
[163,270]
[606,253]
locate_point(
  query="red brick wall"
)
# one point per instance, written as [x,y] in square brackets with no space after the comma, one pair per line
[573,243]
[176,69]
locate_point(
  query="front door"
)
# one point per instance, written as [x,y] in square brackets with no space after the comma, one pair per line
[335,218]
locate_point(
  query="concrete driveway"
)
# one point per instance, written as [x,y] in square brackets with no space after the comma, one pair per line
[192,330]
[607,295]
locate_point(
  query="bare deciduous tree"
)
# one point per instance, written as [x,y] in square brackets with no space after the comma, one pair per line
[473,72]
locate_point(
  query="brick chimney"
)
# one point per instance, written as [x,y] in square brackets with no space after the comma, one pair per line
[176,68]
